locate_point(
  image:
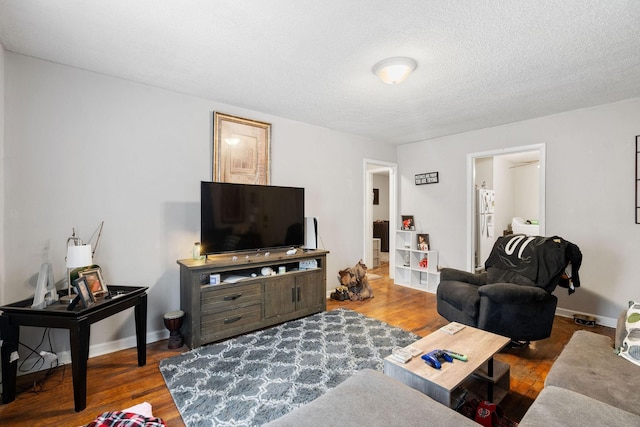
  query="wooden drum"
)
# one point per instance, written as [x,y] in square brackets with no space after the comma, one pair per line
[173,322]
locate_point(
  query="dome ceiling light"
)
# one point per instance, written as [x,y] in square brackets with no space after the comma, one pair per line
[394,70]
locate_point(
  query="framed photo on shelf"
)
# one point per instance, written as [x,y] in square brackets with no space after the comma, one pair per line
[94,280]
[407,222]
[83,291]
[241,150]
[423,242]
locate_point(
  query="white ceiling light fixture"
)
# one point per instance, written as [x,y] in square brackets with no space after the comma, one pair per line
[394,70]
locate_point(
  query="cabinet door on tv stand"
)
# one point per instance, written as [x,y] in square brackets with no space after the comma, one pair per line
[311,290]
[279,296]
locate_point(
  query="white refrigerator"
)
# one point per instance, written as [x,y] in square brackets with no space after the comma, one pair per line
[485,235]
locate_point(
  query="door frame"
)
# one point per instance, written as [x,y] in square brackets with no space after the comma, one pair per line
[370,168]
[471,200]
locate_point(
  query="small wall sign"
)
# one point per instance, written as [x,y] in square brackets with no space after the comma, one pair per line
[427,178]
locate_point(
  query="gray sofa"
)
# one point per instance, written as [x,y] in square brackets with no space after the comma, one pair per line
[370,398]
[587,385]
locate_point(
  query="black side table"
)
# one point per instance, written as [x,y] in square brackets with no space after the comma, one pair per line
[78,322]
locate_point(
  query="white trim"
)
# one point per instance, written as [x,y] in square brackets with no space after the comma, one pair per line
[600,320]
[541,148]
[64,357]
[370,167]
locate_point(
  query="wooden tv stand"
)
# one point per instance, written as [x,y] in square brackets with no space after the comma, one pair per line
[242,303]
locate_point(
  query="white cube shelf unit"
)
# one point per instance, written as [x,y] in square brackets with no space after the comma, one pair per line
[408,270]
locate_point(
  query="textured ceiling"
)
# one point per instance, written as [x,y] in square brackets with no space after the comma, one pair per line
[480,63]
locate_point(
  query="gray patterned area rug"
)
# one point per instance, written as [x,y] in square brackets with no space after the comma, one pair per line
[255,378]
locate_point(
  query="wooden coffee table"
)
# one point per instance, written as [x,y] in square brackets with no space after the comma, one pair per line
[479,374]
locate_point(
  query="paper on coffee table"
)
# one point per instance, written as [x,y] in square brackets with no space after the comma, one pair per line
[452,328]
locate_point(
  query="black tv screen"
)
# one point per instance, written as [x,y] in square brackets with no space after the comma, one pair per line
[241,217]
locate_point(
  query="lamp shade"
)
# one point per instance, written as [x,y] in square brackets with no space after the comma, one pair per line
[79,256]
[394,70]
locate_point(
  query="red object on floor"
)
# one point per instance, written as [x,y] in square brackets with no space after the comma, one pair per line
[488,414]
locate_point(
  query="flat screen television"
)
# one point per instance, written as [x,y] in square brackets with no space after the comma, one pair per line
[241,217]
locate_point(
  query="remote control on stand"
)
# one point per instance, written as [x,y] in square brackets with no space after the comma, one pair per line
[455,355]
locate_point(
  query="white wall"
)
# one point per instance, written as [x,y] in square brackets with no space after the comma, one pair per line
[484,173]
[83,147]
[381,210]
[527,193]
[589,195]
[505,188]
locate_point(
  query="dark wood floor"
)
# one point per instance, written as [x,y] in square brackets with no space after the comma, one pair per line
[116,382]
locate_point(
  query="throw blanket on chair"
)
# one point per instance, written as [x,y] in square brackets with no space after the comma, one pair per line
[542,260]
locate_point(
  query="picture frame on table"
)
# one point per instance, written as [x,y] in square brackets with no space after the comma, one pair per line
[241,150]
[82,287]
[95,282]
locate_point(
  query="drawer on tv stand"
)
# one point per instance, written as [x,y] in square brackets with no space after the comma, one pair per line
[222,324]
[214,299]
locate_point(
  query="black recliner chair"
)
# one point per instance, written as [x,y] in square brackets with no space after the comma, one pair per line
[513,296]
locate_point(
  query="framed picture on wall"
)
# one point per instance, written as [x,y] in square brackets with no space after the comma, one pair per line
[241,150]
[376,196]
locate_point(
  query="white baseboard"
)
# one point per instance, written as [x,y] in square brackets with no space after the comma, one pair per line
[129,342]
[64,357]
[600,320]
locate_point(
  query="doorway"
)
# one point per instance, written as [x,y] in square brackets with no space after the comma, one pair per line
[500,171]
[388,172]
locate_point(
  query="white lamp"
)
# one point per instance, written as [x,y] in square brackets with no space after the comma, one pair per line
[78,255]
[394,70]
